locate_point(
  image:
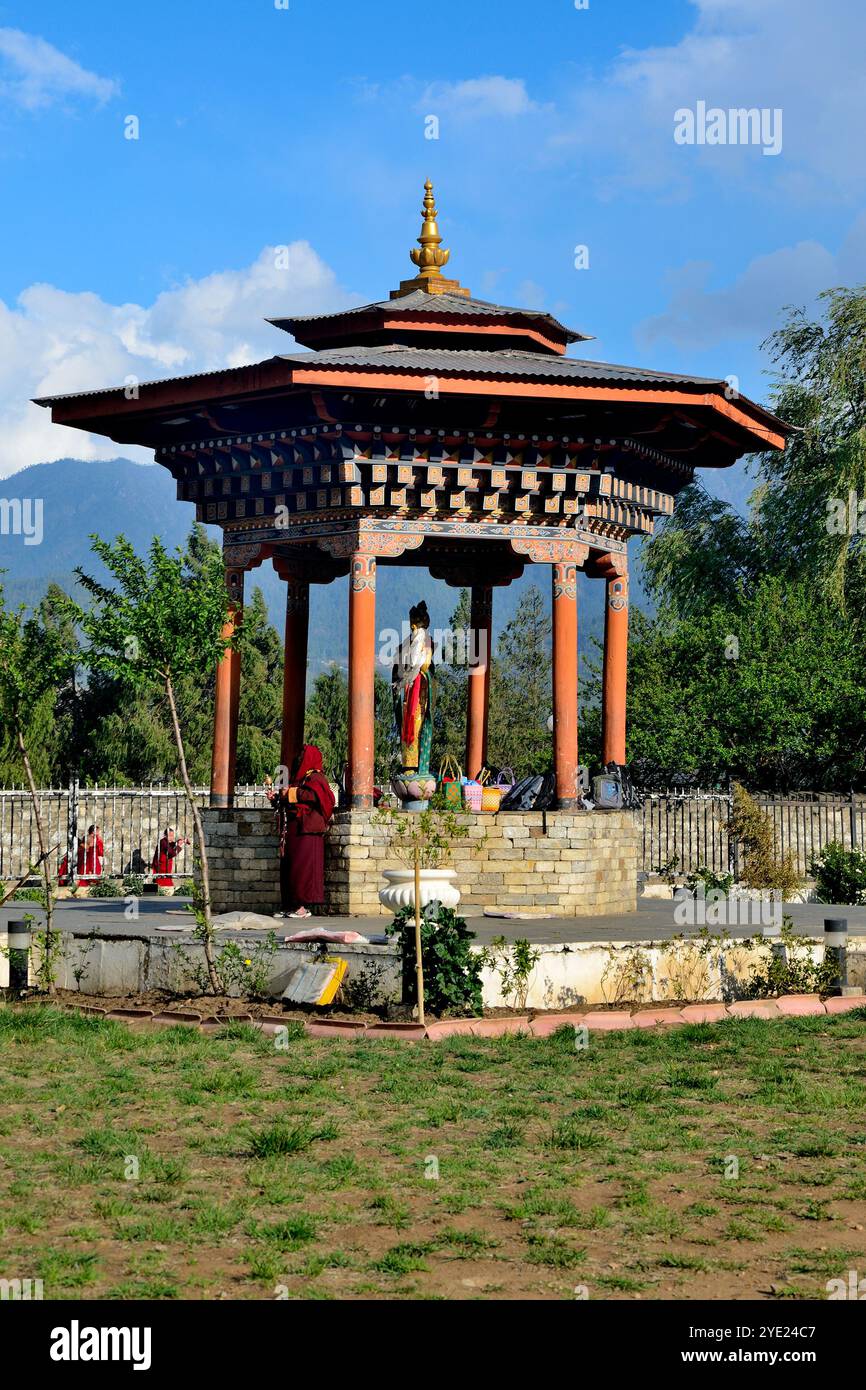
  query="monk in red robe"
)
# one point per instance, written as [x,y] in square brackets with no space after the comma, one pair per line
[304,811]
[164,858]
[89,861]
[91,855]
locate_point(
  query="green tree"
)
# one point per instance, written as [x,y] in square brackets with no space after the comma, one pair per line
[121,729]
[327,716]
[752,665]
[520,689]
[450,691]
[34,661]
[327,724]
[160,626]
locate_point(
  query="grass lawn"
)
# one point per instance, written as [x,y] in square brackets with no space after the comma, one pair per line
[313,1168]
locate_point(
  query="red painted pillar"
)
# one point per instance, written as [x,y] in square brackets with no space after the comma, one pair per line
[478,684]
[295,669]
[615,675]
[362,671]
[565,684]
[226,702]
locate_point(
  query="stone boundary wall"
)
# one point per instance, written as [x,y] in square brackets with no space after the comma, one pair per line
[691,827]
[560,863]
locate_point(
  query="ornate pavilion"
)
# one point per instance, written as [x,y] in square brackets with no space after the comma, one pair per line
[437,430]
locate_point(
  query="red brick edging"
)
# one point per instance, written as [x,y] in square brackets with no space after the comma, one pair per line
[540,1026]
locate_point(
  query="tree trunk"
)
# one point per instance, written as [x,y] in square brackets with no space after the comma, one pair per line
[200,842]
[46,868]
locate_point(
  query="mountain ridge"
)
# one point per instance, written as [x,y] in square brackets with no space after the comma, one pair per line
[109,497]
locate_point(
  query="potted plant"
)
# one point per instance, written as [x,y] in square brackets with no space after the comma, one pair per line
[422,843]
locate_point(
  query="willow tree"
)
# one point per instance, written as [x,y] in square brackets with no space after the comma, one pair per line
[161,625]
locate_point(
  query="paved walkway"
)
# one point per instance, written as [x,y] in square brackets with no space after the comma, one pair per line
[653,921]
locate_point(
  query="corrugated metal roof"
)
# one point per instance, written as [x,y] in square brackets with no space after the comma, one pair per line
[508,362]
[420,302]
[158,381]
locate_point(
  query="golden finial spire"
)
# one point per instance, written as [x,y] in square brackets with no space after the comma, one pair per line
[430,258]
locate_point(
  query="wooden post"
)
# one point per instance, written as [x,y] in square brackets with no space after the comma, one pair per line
[227,699]
[295,669]
[565,684]
[478,684]
[362,671]
[615,674]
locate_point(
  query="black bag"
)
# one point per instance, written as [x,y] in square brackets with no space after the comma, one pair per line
[545,799]
[522,796]
[533,793]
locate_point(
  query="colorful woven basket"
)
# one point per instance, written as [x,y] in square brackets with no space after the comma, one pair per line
[450,780]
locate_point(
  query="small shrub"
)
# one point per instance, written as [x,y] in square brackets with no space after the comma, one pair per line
[713,882]
[105,888]
[452,971]
[514,964]
[763,866]
[30,895]
[840,875]
[134,885]
[798,973]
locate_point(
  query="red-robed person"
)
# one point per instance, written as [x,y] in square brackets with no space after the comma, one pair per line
[91,854]
[90,859]
[304,811]
[166,853]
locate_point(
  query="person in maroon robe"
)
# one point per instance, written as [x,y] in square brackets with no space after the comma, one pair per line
[89,861]
[91,854]
[304,811]
[166,853]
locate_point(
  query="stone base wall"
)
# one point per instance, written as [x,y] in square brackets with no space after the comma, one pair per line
[557,862]
[243,858]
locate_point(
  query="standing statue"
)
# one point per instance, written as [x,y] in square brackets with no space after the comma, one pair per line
[412,689]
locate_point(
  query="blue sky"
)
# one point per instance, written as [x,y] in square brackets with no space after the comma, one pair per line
[262,127]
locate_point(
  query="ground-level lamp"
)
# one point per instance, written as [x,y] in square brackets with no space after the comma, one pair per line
[19,942]
[836,953]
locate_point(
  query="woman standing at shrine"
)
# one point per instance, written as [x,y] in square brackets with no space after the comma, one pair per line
[304,811]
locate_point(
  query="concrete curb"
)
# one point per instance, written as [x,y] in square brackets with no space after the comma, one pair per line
[541,1026]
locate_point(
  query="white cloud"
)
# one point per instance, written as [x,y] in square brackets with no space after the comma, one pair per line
[698,317]
[34,73]
[52,342]
[478,97]
[802,58]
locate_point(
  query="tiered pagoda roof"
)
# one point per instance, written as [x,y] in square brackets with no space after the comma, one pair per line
[433,410]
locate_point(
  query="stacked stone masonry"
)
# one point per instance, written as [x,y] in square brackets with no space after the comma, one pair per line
[559,863]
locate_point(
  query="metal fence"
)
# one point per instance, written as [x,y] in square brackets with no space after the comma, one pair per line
[691,827]
[687,826]
[131,821]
